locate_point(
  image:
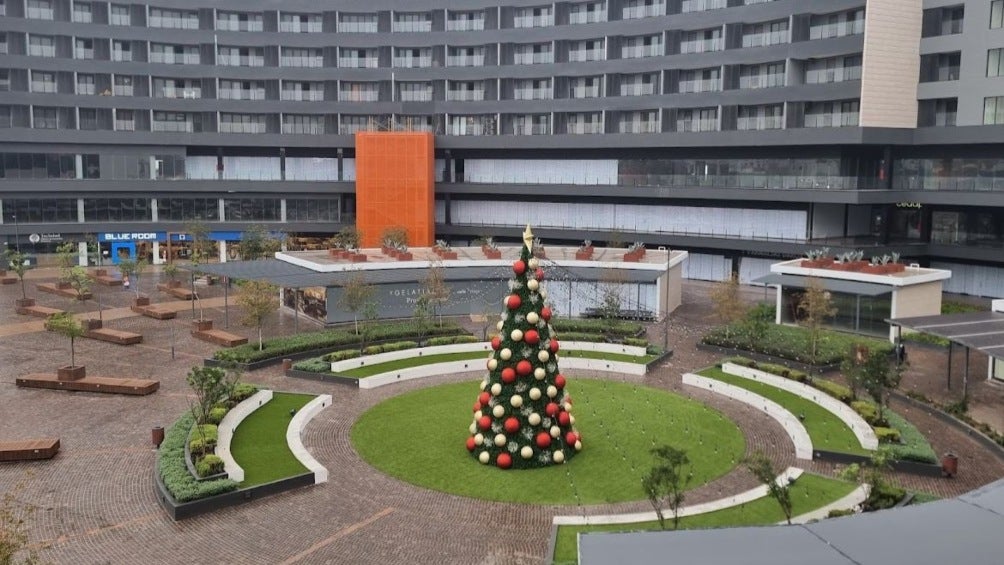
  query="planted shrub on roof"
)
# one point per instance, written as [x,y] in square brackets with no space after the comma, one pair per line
[451,340]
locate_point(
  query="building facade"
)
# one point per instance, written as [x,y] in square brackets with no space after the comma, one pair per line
[741,130]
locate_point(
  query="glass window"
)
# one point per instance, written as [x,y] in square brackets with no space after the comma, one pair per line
[120,15]
[39,9]
[82,12]
[252,209]
[41,46]
[996,14]
[995,62]
[85,84]
[993,110]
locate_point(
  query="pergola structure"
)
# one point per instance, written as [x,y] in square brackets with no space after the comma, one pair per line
[982,331]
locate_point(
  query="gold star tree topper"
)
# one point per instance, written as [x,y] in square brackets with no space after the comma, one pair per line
[528,237]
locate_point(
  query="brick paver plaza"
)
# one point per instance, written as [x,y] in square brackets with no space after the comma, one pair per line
[96,501]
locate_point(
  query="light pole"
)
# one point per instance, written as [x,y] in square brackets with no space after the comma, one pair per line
[17,234]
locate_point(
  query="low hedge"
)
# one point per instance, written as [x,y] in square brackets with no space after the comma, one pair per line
[216,415]
[868,411]
[242,392]
[341,355]
[209,465]
[452,340]
[791,342]
[833,389]
[917,337]
[579,336]
[840,512]
[174,472]
[887,435]
[913,445]
[636,342]
[314,365]
[299,343]
[619,328]
[388,347]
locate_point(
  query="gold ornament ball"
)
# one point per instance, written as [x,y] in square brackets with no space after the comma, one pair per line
[474,427]
[516,335]
[479,439]
[539,373]
[484,384]
[578,445]
[555,431]
[506,354]
[532,284]
[543,356]
[498,411]
[496,389]
[552,391]
[534,419]
[499,325]
[567,407]
[516,401]
[492,364]
[484,457]
[500,440]
[543,292]
[534,393]
[478,415]
[532,318]
[571,419]
[534,263]
[526,452]
[559,456]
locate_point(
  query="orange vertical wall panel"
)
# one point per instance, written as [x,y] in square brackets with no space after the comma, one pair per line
[395,185]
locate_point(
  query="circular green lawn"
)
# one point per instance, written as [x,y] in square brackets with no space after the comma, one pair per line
[419,438]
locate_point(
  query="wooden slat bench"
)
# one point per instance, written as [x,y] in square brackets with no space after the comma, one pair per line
[220,337]
[117,337]
[177,291]
[154,311]
[110,385]
[38,311]
[53,288]
[107,280]
[4,279]
[28,450]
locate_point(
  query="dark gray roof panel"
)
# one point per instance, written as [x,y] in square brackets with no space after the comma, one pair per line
[983,331]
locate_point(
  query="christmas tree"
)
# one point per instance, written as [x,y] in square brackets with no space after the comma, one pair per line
[522,416]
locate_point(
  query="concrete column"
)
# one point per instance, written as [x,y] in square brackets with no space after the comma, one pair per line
[78,165]
[82,253]
[282,210]
[156,254]
[153,165]
[777,305]
[223,210]
[154,215]
[223,251]
[80,210]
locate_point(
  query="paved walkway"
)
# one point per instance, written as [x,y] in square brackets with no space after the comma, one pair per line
[96,503]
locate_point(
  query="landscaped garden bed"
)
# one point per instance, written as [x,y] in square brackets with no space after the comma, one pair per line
[808,493]
[259,443]
[301,346]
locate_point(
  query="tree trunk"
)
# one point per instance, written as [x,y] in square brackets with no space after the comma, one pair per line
[73,355]
[355,320]
[261,344]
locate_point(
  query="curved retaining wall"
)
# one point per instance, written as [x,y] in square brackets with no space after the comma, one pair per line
[355,363]
[295,429]
[796,431]
[229,425]
[865,434]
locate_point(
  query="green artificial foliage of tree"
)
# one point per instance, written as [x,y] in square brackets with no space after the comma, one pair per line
[522,414]
[666,483]
[18,262]
[67,326]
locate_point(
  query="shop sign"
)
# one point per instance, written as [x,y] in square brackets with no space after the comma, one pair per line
[45,237]
[131,236]
[909,205]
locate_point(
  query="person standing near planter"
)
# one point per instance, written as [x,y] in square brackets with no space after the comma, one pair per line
[125,282]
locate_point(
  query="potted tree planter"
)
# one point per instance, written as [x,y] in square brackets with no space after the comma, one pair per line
[404,256]
[24,302]
[202,325]
[141,301]
[585,251]
[71,373]
[492,253]
[68,326]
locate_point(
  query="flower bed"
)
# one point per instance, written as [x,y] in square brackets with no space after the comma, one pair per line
[279,347]
[792,342]
[605,327]
[200,447]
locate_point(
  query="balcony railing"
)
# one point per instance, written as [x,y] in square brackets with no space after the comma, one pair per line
[752,181]
[465,25]
[761,81]
[237,25]
[242,94]
[121,55]
[465,60]
[583,55]
[585,92]
[466,129]
[531,94]
[530,129]
[823,76]
[702,85]
[314,61]
[41,50]
[303,129]
[240,60]
[702,5]
[833,120]
[359,95]
[412,62]
[415,95]
[465,95]
[358,62]
[827,31]
[36,13]
[188,127]
[977,184]
[81,53]
[125,125]
[533,21]
[767,38]
[649,126]
[357,27]
[748,123]
[697,125]
[702,45]
[190,22]
[637,89]
[243,127]
[175,59]
[302,95]
[190,93]
[533,58]
[639,51]
[300,27]
[635,12]
[584,128]
[122,90]
[406,27]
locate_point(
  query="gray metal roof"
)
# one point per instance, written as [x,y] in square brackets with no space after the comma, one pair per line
[833,285]
[983,331]
[288,275]
[962,530]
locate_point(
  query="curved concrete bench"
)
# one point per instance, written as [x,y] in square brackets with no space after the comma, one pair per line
[865,434]
[228,426]
[789,474]
[469,365]
[791,424]
[295,428]
[368,360]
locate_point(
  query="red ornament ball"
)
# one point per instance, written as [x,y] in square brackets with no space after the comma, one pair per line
[524,368]
[470,444]
[559,381]
[543,440]
[496,342]
[551,409]
[485,423]
[545,313]
[484,397]
[519,267]
[504,461]
[511,425]
[508,375]
[553,346]
[531,337]
[513,302]
[539,274]
[477,406]
[564,419]
[571,438]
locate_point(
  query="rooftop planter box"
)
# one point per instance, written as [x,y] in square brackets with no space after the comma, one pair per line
[584,253]
[357,258]
[491,253]
[824,263]
[404,256]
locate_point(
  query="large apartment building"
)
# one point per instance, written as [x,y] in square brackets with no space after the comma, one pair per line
[741,130]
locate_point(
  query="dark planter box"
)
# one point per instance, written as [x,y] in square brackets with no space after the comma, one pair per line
[308,376]
[909,467]
[404,256]
[202,325]
[91,324]
[357,258]
[762,357]
[24,302]
[141,301]
[68,373]
[182,510]
[492,253]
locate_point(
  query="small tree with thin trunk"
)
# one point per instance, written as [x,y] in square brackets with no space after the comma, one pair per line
[435,288]
[611,288]
[66,257]
[258,300]
[356,293]
[816,306]
[370,316]
[201,250]
[763,469]
[66,325]
[18,262]
[423,318]
[875,374]
[665,484]
[727,303]
[171,272]
[210,386]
